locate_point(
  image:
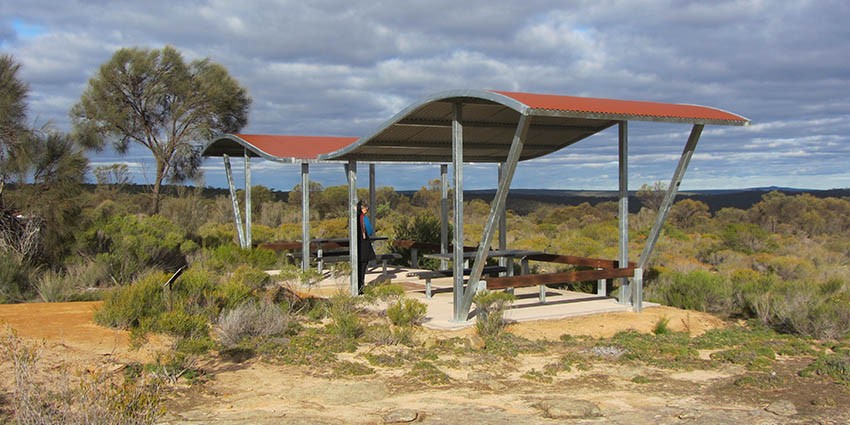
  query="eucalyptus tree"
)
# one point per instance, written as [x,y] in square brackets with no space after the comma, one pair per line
[155,99]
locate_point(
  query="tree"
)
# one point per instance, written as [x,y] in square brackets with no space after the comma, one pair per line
[13,116]
[154,99]
[652,196]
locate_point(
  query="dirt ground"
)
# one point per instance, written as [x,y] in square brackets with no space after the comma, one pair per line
[261,392]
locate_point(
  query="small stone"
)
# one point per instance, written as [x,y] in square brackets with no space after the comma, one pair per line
[782,408]
[400,416]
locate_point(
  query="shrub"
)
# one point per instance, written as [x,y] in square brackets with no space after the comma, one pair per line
[406,312]
[95,398]
[128,306]
[490,308]
[422,228]
[696,290]
[229,256]
[14,279]
[251,277]
[251,320]
[342,310]
[129,244]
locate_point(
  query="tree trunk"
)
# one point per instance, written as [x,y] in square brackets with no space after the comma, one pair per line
[160,174]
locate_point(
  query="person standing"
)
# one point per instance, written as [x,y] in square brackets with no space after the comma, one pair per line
[365,252]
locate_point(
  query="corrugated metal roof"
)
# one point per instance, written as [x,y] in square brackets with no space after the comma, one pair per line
[279,148]
[635,110]
[422,132]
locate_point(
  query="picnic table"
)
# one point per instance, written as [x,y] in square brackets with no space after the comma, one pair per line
[336,250]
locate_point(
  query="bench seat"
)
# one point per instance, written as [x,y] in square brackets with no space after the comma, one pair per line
[431,274]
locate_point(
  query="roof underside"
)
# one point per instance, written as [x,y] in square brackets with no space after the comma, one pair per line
[275,147]
[423,132]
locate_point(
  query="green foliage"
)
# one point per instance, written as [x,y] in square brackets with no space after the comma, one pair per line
[251,277]
[490,308]
[342,310]
[228,257]
[130,305]
[427,373]
[129,244]
[171,104]
[671,350]
[834,365]
[697,290]
[747,238]
[424,227]
[661,326]
[14,279]
[406,312]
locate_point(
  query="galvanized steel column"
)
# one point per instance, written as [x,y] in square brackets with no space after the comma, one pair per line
[498,204]
[247,199]
[625,293]
[444,215]
[305,216]
[457,239]
[237,216]
[372,196]
[351,173]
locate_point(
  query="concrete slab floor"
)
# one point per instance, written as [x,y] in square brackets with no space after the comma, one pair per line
[440,314]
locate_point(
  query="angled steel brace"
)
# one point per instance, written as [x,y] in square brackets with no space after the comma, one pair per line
[237,215]
[666,204]
[495,213]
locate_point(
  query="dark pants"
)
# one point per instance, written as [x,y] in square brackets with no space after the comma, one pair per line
[361,276]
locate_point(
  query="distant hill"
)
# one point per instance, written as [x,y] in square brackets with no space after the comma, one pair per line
[522,200]
[525,200]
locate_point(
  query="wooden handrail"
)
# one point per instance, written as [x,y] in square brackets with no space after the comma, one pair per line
[555,278]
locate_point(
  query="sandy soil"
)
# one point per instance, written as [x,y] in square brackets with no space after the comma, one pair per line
[492,391]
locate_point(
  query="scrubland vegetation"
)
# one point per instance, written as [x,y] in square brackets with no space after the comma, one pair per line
[779,266]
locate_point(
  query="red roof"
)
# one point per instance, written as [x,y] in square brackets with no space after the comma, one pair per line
[276,147]
[621,107]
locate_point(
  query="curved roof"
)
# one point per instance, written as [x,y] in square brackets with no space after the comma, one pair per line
[423,131]
[275,147]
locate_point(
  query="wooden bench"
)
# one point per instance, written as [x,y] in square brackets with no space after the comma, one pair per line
[338,256]
[431,274]
[415,247]
[601,272]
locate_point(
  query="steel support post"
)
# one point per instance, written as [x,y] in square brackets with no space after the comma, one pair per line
[372,196]
[248,208]
[351,173]
[503,223]
[457,164]
[687,153]
[637,284]
[498,204]
[444,214]
[305,216]
[624,208]
[237,215]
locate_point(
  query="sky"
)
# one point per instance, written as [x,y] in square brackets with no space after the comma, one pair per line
[342,68]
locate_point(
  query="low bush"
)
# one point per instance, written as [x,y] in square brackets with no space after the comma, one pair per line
[406,312]
[251,320]
[342,309]
[697,290]
[490,309]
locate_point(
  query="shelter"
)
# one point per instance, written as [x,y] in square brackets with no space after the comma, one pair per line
[504,128]
[302,150]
